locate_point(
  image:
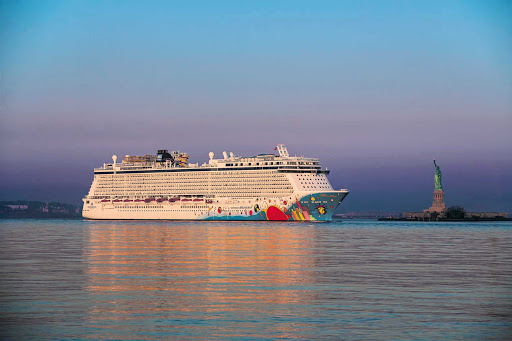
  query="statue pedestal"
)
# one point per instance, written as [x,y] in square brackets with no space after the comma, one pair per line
[438,203]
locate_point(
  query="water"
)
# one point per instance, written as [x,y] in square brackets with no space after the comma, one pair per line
[346,280]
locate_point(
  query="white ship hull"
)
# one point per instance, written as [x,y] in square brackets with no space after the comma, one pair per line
[263,187]
[318,206]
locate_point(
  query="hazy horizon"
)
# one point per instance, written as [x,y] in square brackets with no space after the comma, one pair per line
[375,90]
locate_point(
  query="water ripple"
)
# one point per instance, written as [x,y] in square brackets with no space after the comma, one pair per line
[213,280]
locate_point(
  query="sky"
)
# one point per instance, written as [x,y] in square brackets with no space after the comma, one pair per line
[375,89]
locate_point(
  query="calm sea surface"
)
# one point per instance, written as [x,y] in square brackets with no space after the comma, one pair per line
[366,280]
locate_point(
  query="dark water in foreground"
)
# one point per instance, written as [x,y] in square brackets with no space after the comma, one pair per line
[174,280]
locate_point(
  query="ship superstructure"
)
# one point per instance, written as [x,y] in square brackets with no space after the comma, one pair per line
[166,186]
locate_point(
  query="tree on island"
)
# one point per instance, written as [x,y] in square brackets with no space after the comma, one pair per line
[434,216]
[456,212]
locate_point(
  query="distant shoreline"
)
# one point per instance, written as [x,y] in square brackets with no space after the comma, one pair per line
[42,218]
[28,209]
[476,220]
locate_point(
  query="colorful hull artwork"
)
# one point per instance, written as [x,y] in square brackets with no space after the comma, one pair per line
[311,207]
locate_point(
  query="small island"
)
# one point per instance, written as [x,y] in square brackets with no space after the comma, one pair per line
[439,212]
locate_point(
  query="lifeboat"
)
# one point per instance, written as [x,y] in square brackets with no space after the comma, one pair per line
[173,200]
[128,200]
[208,201]
[160,200]
[105,200]
[117,200]
[149,199]
[138,200]
[197,200]
[186,199]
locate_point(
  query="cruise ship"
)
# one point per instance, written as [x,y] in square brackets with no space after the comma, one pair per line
[166,186]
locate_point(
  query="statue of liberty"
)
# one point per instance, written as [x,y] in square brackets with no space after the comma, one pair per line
[437,178]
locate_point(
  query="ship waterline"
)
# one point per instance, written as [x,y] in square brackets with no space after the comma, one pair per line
[166,186]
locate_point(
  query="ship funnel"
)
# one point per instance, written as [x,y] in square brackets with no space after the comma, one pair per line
[211,155]
[231,155]
[225,155]
[283,152]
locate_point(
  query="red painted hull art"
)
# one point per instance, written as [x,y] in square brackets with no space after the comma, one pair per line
[274,213]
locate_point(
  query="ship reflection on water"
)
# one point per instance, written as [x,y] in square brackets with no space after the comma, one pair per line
[351,280]
[200,278]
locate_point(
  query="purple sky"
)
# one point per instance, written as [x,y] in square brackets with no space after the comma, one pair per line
[375,89]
